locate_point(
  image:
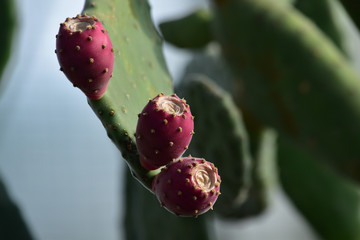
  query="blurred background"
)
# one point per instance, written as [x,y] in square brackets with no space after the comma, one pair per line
[55,157]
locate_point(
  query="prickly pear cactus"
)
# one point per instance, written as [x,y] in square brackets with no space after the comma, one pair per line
[262,170]
[192,31]
[8,17]
[211,64]
[220,138]
[139,73]
[188,187]
[146,220]
[85,54]
[276,44]
[164,130]
[328,201]
[289,71]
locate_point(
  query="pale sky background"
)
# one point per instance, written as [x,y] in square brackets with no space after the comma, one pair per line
[55,156]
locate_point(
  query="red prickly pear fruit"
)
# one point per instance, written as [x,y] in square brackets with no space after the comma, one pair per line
[86,55]
[187,187]
[164,130]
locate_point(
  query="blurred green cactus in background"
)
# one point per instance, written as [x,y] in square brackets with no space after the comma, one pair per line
[8,16]
[276,101]
[12,224]
[287,68]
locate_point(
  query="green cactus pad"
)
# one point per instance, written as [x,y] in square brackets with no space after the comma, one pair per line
[191,31]
[220,137]
[293,78]
[8,18]
[210,63]
[139,73]
[262,141]
[263,174]
[145,220]
[329,202]
[322,13]
[12,224]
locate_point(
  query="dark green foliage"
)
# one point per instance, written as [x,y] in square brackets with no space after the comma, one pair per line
[293,77]
[146,220]
[139,73]
[328,201]
[192,31]
[12,225]
[8,20]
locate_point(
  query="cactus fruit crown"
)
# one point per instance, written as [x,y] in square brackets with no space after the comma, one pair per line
[203,177]
[80,23]
[170,104]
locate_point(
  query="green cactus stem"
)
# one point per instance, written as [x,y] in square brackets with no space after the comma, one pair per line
[145,220]
[293,77]
[191,31]
[12,224]
[220,138]
[8,20]
[139,73]
[328,201]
